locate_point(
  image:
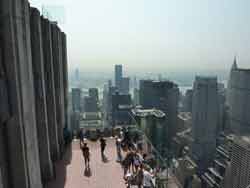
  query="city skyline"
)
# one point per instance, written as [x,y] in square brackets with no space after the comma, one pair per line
[155,35]
[148,125]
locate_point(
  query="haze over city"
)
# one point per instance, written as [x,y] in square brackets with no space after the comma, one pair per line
[124,94]
[158,36]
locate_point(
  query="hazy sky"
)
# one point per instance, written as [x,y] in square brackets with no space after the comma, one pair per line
[154,34]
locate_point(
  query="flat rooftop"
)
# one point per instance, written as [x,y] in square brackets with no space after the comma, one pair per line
[148,112]
[185,115]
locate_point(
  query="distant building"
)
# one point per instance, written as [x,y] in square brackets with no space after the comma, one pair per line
[162,95]
[222,121]
[75,121]
[186,173]
[136,100]
[105,99]
[76,99]
[77,76]
[111,91]
[125,85]
[217,174]
[239,100]
[121,106]
[151,122]
[240,163]
[188,100]
[109,83]
[93,92]
[90,104]
[205,120]
[184,121]
[182,143]
[118,76]
[90,120]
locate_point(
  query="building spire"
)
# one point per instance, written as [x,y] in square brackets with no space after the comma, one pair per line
[234,66]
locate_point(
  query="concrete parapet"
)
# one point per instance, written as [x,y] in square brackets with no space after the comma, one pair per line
[23,155]
[58,81]
[65,75]
[40,95]
[33,95]
[50,88]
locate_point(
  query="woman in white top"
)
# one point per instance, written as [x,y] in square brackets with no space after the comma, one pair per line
[147,179]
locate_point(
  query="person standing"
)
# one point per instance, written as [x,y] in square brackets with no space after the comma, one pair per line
[147,179]
[136,162]
[118,148]
[103,145]
[140,176]
[86,154]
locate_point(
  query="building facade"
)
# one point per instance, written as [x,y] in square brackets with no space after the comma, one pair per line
[76,99]
[118,76]
[125,85]
[164,96]
[93,92]
[90,104]
[238,97]
[188,100]
[121,106]
[151,122]
[240,163]
[204,120]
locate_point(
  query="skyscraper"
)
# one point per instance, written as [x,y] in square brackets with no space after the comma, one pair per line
[205,120]
[238,99]
[118,76]
[163,96]
[93,92]
[188,100]
[90,104]
[121,107]
[76,99]
[125,85]
[240,163]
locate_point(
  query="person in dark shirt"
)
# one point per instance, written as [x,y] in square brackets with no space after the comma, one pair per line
[103,145]
[86,154]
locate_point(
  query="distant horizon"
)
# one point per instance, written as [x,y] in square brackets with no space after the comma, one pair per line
[140,72]
[153,34]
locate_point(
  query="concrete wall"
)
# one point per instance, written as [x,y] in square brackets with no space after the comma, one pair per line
[3,158]
[50,88]
[65,76]
[21,132]
[40,95]
[58,80]
[29,132]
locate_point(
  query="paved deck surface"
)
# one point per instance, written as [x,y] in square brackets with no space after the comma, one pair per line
[70,171]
